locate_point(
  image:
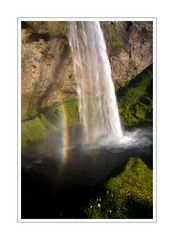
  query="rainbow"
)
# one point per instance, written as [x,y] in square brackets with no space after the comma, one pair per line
[65,135]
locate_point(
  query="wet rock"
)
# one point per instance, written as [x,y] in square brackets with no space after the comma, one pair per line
[47,71]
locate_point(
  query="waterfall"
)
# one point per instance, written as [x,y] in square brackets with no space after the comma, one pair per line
[97,100]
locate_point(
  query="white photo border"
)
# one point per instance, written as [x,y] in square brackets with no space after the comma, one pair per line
[154,219]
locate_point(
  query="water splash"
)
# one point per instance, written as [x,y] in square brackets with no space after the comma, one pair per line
[97,100]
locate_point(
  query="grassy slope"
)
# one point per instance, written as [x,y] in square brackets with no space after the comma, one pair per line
[135,99]
[128,195]
[43,124]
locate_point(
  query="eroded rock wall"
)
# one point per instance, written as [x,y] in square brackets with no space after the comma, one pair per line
[47,71]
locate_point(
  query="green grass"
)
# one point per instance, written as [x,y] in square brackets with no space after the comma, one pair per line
[46,122]
[35,129]
[135,100]
[128,195]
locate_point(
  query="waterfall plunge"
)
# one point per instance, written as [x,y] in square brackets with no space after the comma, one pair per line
[97,100]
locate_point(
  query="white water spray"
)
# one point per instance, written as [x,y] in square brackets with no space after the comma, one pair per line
[97,100]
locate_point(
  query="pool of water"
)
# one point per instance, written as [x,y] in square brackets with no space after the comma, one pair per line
[60,177]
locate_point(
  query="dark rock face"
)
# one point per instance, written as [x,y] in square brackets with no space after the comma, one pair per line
[47,71]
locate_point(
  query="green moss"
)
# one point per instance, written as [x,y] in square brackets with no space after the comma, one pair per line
[41,125]
[71,77]
[35,129]
[28,109]
[70,109]
[60,27]
[140,111]
[128,195]
[112,34]
[135,99]
[44,27]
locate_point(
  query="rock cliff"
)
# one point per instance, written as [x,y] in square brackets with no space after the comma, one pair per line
[47,71]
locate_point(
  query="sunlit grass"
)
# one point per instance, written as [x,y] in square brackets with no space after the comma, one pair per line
[128,195]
